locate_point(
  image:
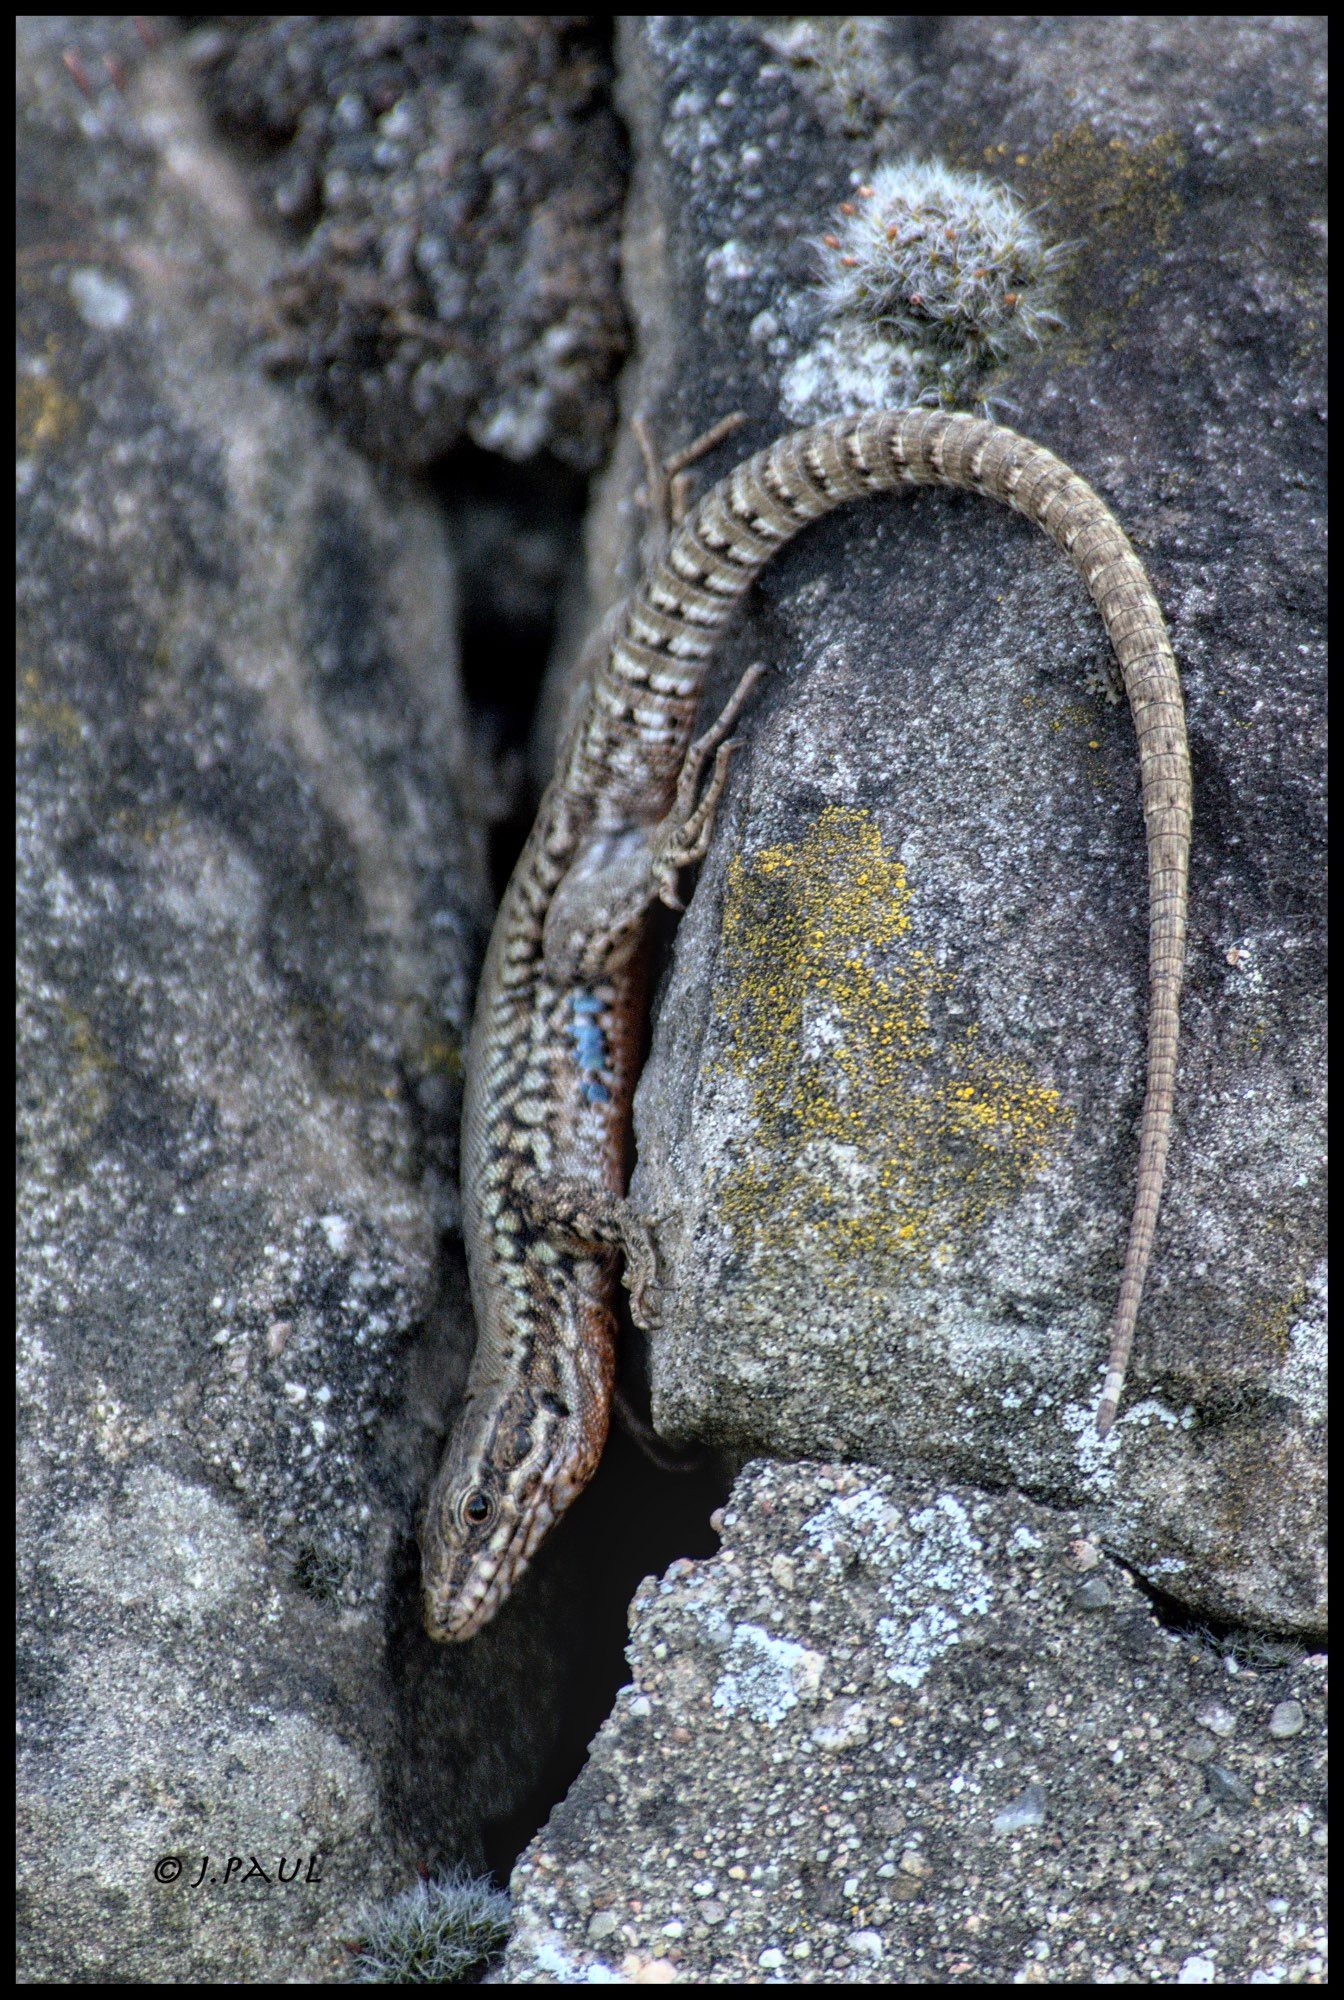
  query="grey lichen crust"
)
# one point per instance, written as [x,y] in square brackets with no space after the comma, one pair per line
[895,1732]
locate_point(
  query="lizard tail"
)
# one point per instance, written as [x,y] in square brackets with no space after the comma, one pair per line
[1168,850]
[671,624]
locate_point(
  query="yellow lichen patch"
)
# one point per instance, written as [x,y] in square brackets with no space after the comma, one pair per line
[148,827]
[1078,719]
[884,1130]
[1270,1321]
[1124,200]
[44,714]
[90,1072]
[1127,194]
[436,1052]
[44,413]
[1121,201]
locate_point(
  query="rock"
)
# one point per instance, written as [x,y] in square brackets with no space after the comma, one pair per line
[455,184]
[887,1125]
[1035,1752]
[250,896]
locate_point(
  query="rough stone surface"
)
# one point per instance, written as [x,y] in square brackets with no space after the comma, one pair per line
[249,900]
[453,185]
[917,1734]
[888,1121]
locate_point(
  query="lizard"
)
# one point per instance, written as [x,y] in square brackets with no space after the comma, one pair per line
[553,1049]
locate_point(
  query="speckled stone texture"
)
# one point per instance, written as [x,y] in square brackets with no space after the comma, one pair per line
[249,891]
[916,1734]
[941,1736]
[451,187]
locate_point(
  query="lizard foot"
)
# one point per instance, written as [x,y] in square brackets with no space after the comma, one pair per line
[667,490]
[684,836]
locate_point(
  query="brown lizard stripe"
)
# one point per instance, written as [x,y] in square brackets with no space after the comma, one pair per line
[551,1061]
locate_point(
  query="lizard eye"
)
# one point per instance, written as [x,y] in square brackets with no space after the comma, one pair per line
[476,1508]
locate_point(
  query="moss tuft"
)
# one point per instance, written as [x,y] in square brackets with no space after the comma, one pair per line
[948,265]
[433,1934]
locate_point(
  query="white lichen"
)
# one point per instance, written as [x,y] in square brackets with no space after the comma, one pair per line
[433,1934]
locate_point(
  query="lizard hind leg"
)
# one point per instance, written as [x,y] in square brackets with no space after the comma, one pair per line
[597,908]
[597,911]
[584,1219]
[683,837]
[666,488]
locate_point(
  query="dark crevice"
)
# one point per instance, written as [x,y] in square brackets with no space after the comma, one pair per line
[516,531]
[1222,1638]
[633,1524]
[495,1731]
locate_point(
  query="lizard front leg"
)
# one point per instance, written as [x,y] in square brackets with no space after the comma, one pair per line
[597,912]
[580,1217]
[666,488]
[591,932]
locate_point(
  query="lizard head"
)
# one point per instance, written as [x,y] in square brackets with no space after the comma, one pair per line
[515,1462]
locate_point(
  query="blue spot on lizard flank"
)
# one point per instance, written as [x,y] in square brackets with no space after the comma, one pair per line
[590,1045]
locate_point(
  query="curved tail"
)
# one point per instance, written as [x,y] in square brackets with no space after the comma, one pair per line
[666,637]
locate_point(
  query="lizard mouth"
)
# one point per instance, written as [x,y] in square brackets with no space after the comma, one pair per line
[449,1619]
[459,1611]
[462,1622]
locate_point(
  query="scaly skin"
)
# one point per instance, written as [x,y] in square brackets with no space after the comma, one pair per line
[553,1049]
